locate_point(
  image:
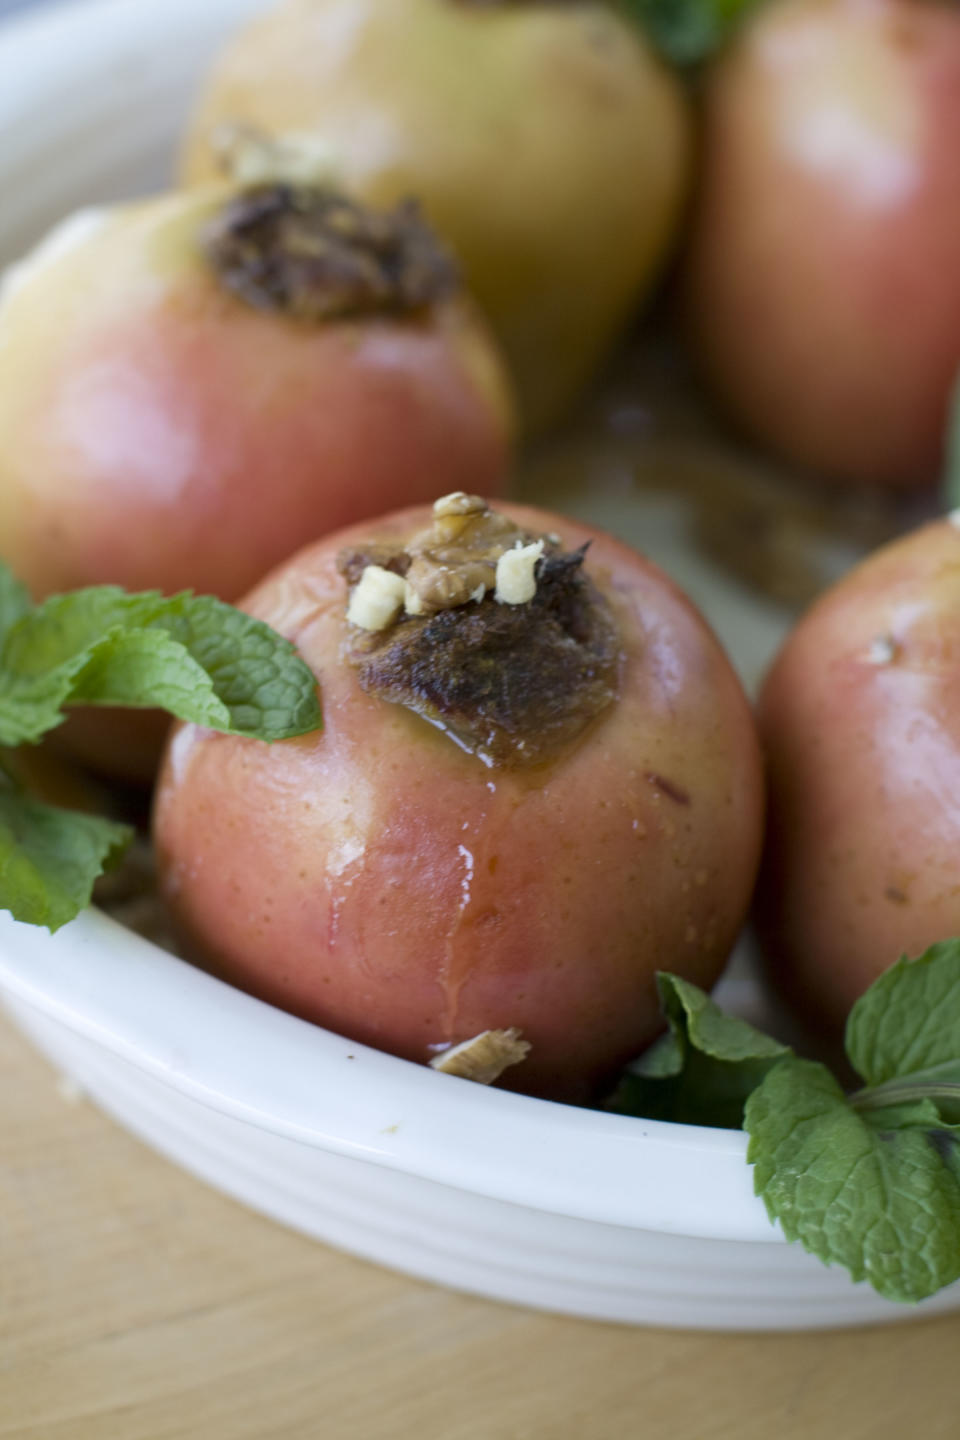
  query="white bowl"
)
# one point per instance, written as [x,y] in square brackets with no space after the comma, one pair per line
[541,1204]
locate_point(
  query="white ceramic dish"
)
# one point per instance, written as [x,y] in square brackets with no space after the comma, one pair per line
[490,1192]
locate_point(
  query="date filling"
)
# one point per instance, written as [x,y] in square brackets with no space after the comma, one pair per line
[497,636]
[314,255]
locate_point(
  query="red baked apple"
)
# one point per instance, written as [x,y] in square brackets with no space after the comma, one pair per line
[860,717]
[538,784]
[822,279]
[189,393]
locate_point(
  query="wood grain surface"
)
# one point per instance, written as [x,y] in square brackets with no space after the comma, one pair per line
[139,1305]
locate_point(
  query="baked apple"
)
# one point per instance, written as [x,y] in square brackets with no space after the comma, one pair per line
[823,289]
[538,784]
[860,717]
[193,387]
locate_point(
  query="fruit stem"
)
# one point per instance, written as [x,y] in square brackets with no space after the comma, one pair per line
[902,1092]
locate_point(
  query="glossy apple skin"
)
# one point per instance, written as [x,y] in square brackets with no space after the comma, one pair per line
[822,285]
[545,141]
[156,432]
[861,864]
[378,880]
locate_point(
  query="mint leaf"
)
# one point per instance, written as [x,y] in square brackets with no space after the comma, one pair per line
[694,1016]
[903,1035]
[195,656]
[909,1020]
[872,1181]
[14,600]
[703,1070]
[946,1141]
[50,858]
[198,658]
[922,1114]
[884,1203]
[689,31]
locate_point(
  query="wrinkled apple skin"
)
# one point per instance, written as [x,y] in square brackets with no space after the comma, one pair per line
[156,432]
[376,879]
[822,280]
[863,855]
[545,142]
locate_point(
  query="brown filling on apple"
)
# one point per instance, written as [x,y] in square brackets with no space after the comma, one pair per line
[314,255]
[498,637]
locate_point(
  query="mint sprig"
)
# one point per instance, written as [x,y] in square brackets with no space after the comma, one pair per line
[688,32]
[869,1180]
[884,1202]
[49,858]
[190,654]
[703,1070]
[902,1035]
[194,656]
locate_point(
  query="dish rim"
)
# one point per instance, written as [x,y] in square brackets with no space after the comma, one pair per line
[263,1066]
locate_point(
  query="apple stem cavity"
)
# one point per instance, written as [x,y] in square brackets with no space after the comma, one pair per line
[316,256]
[494,635]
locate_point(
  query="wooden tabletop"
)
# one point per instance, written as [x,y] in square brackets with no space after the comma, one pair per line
[139,1305]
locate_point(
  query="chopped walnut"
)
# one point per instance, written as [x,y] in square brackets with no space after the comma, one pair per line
[459,503]
[484,1058]
[494,635]
[457,554]
[517,574]
[435,585]
[453,562]
[378,599]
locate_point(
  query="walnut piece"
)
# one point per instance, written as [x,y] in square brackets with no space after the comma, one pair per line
[484,1058]
[493,635]
[378,599]
[517,574]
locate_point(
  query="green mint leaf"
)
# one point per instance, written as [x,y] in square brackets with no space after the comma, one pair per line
[689,31]
[703,1070]
[946,1141]
[903,1035]
[50,858]
[14,600]
[664,1060]
[885,1203]
[908,1022]
[693,1015]
[195,656]
[922,1114]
